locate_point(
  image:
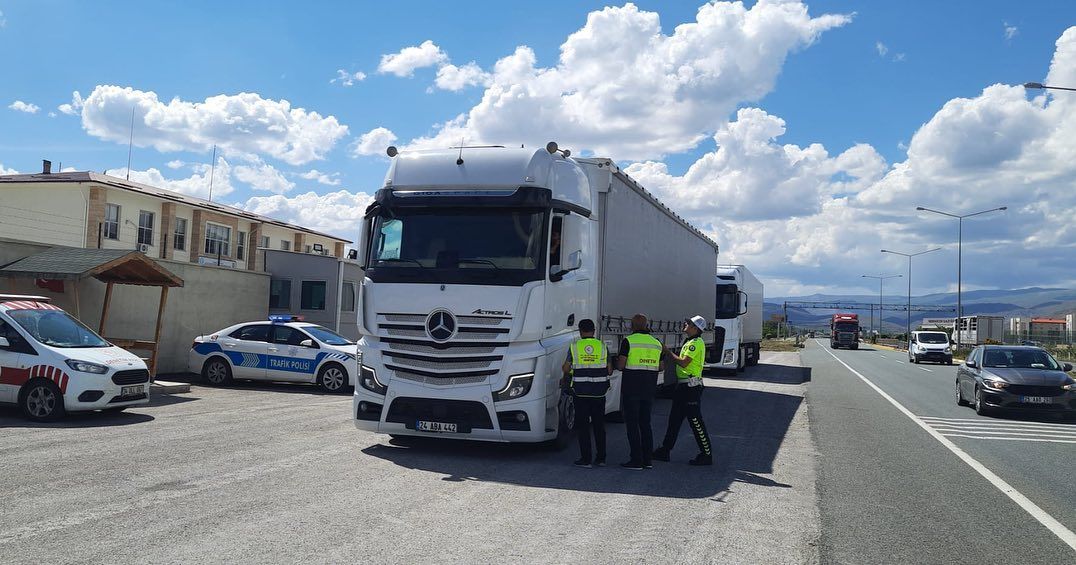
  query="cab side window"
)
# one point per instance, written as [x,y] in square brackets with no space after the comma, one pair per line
[288,336]
[258,332]
[16,343]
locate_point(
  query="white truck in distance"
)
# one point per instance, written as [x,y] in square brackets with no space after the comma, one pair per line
[479,263]
[738,319]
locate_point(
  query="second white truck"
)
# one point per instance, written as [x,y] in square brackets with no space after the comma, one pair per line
[738,319]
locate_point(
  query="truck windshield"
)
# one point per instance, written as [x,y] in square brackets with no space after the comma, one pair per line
[497,246]
[56,328]
[847,327]
[728,301]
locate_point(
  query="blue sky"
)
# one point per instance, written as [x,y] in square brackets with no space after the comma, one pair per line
[875,78]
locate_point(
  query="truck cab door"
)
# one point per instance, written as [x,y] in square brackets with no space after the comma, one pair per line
[566,301]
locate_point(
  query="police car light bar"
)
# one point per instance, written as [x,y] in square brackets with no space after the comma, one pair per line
[285,318]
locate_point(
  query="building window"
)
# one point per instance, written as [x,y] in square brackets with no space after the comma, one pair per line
[285,245]
[265,242]
[179,242]
[312,296]
[240,245]
[280,294]
[347,297]
[145,227]
[217,239]
[112,221]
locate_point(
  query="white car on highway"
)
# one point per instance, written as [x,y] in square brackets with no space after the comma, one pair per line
[51,364]
[283,348]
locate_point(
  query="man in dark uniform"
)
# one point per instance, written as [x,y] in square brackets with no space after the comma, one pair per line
[688,394]
[588,370]
[640,364]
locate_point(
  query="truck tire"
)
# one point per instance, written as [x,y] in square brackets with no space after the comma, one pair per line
[855,346]
[565,422]
[753,355]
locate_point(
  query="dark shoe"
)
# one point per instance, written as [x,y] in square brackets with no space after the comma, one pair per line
[582,463]
[702,459]
[661,454]
[633,465]
[599,462]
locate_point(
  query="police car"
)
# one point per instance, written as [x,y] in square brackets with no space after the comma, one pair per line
[51,364]
[283,348]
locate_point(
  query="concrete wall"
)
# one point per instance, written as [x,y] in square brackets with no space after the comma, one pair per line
[44,212]
[211,298]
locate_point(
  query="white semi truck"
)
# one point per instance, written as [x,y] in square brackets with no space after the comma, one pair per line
[738,319]
[479,263]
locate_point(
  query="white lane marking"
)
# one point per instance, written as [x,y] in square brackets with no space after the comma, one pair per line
[926,369]
[1004,431]
[1057,528]
[1000,422]
[1012,438]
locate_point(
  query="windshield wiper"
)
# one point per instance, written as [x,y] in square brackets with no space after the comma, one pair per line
[401,260]
[481,261]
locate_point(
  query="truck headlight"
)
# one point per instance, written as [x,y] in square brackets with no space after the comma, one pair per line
[727,356]
[86,367]
[518,386]
[948,349]
[368,380]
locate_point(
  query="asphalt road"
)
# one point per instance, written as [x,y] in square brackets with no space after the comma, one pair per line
[277,473]
[890,492]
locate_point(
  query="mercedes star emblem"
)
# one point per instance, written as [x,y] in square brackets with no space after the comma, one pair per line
[441,325]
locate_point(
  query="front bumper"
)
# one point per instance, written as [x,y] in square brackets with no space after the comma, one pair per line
[1018,401]
[97,392]
[936,356]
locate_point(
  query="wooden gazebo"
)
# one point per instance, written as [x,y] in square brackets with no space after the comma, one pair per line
[110,266]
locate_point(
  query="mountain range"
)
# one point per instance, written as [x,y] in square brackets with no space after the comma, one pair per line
[1021,302]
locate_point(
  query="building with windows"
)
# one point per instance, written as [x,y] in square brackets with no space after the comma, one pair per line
[322,291]
[92,210]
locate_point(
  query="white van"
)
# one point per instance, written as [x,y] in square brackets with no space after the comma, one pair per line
[51,364]
[930,346]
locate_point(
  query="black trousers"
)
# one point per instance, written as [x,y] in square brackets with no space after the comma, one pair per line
[590,415]
[636,409]
[686,404]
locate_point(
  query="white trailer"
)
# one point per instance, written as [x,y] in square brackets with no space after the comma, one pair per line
[976,330]
[468,304]
[737,319]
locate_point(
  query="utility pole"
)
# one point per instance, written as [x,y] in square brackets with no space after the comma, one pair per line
[881,279]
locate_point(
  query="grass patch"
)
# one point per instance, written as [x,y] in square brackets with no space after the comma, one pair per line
[779,345]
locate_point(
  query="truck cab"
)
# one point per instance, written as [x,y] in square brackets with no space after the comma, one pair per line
[844,331]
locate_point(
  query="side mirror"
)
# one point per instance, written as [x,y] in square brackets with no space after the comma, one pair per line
[1067,366]
[575,261]
[971,364]
[5,343]
[307,343]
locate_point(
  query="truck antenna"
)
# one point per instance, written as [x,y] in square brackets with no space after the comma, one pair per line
[459,159]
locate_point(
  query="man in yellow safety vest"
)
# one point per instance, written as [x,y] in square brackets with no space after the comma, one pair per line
[588,369]
[688,394]
[640,364]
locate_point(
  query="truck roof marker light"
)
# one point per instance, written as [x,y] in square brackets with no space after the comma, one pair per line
[551,147]
[392,151]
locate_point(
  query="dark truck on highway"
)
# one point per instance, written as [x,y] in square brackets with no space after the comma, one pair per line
[844,331]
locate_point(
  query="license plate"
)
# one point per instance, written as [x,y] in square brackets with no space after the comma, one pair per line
[131,390]
[1037,399]
[439,427]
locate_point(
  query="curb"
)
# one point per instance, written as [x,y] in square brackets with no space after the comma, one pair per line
[169,387]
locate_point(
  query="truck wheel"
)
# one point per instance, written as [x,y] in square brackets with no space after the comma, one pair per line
[42,401]
[217,372]
[752,356]
[332,378]
[566,422]
[855,346]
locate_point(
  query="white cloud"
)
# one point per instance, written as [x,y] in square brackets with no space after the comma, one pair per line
[52,114]
[338,213]
[245,124]
[899,57]
[348,79]
[882,49]
[6,171]
[328,179]
[451,77]
[409,59]
[625,89]
[20,106]
[194,185]
[802,217]
[3,20]
[374,142]
[75,107]
[1011,31]
[175,164]
[263,176]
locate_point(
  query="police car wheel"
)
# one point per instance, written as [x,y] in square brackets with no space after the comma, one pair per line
[217,373]
[332,378]
[42,401]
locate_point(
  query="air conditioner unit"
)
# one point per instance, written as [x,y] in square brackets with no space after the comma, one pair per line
[143,247]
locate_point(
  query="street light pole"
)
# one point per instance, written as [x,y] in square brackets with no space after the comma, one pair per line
[880,278]
[960,256]
[908,327]
[1039,85]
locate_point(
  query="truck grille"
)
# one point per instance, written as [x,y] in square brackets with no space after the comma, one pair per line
[473,354]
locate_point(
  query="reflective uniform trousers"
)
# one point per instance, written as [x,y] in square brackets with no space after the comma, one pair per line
[686,404]
[590,415]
